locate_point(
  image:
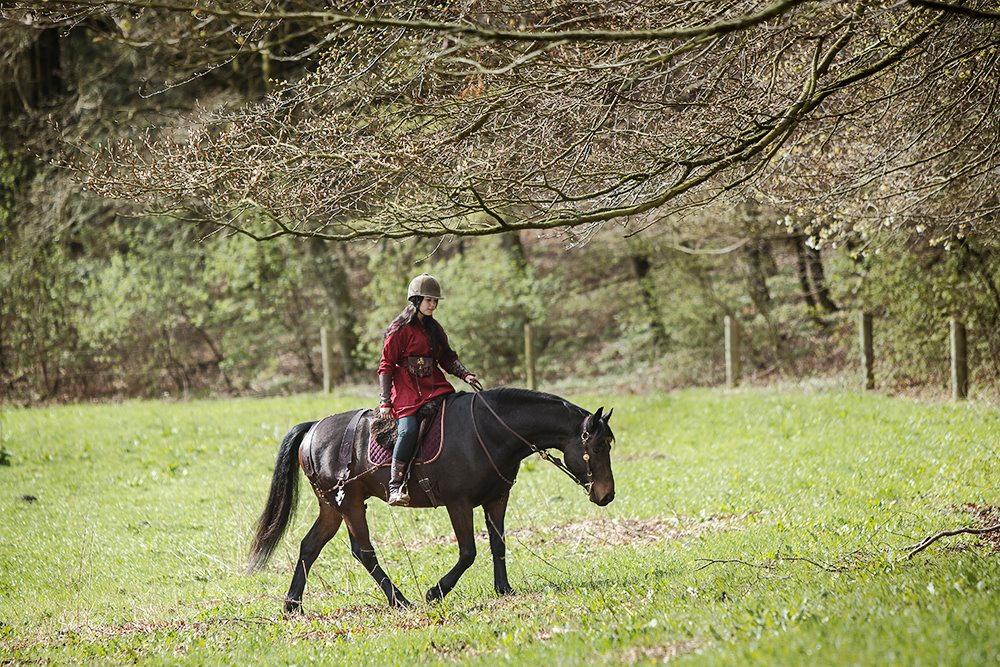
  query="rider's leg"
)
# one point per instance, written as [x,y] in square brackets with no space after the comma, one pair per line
[406,443]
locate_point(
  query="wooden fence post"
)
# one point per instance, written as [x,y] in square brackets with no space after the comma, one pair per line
[529,356]
[867,352]
[732,327]
[324,343]
[959,361]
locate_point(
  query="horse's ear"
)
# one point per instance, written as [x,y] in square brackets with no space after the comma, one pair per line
[607,417]
[591,422]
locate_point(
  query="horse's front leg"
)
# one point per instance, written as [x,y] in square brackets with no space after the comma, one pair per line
[461,522]
[364,552]
[495,512]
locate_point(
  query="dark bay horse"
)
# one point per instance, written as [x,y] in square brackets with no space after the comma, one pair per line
[487,435]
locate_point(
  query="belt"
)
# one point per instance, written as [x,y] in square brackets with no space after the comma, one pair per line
[420,366]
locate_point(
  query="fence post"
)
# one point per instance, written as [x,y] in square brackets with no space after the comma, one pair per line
[867,351]
[529,356]
[732,327]
[959,361]
[324,343]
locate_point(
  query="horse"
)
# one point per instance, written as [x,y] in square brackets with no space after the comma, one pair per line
[487,435]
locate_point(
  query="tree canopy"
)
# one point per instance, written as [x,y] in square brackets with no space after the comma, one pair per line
[482,117]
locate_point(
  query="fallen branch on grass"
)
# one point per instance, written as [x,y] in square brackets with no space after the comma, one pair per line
[770,565]
[950,533]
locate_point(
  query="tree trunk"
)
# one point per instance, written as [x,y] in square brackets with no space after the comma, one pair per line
[35,76]
[640,268]
[760,295]
[331,270]
[511,242]
[822,292]
[305,335]
[768,263]
[48,70]
[175,369]
[214,348]
[800,265]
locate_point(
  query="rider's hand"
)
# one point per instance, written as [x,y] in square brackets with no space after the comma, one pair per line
[384,412]
[473,381]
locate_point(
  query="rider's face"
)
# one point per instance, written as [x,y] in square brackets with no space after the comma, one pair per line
[428,305]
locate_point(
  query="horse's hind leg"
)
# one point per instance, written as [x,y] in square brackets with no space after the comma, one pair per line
[461,522]
[495,512]
[325,527]
[364,552]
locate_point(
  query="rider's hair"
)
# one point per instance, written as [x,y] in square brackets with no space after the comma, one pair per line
[409,316]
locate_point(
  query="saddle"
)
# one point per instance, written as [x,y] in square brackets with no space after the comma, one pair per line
[430,436]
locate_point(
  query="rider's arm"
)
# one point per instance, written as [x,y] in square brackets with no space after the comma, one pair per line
[449,361]
[384,390]
[391,351]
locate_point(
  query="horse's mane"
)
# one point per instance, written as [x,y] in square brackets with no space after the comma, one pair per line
[528,394]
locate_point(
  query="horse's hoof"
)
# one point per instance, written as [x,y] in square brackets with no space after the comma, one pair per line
[400,602]
[506,590]
[293,607]
[435,594]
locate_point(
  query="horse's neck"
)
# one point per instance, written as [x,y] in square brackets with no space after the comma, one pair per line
[544,423]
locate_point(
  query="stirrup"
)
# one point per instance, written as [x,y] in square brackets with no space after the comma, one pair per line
[399,497]
[397,484]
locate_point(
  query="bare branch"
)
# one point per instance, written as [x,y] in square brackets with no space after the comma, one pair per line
[926,542]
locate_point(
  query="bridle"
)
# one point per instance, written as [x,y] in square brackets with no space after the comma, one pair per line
[585,436]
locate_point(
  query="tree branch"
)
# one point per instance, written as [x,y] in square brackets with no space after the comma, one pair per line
[949,533]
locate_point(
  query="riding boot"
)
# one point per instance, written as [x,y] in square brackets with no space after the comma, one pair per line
[397,486]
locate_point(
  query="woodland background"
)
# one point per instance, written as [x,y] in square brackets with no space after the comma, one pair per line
[100,303]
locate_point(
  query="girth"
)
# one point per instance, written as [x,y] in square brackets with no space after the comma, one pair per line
[345,455]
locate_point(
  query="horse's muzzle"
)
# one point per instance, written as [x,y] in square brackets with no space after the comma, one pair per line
[602,496]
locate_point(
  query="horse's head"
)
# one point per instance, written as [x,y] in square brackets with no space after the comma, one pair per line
[589,457]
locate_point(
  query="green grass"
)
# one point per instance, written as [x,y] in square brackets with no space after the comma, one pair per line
[135,545]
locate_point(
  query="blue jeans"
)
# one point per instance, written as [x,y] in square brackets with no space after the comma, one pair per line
[406,438]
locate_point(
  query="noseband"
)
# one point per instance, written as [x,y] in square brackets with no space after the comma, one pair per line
[584,439]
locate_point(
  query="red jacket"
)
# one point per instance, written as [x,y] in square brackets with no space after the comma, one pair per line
[410,392]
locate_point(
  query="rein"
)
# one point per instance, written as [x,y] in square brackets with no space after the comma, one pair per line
[584,438]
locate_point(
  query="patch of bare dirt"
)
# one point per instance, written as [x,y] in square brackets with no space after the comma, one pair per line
[986,515]
[614,532]
[661,653]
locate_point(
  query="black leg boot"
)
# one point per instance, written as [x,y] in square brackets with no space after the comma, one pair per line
[397,489]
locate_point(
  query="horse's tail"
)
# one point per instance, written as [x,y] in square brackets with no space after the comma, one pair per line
[281,500]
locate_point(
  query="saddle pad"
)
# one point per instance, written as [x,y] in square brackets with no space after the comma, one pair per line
[427,451]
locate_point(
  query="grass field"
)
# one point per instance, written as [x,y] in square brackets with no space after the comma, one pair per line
[133,546]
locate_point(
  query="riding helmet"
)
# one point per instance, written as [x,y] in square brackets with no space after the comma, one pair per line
[424,285]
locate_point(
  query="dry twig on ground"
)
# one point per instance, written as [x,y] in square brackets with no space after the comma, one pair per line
[927,541]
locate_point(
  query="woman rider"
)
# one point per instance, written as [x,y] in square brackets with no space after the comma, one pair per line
[409,374]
